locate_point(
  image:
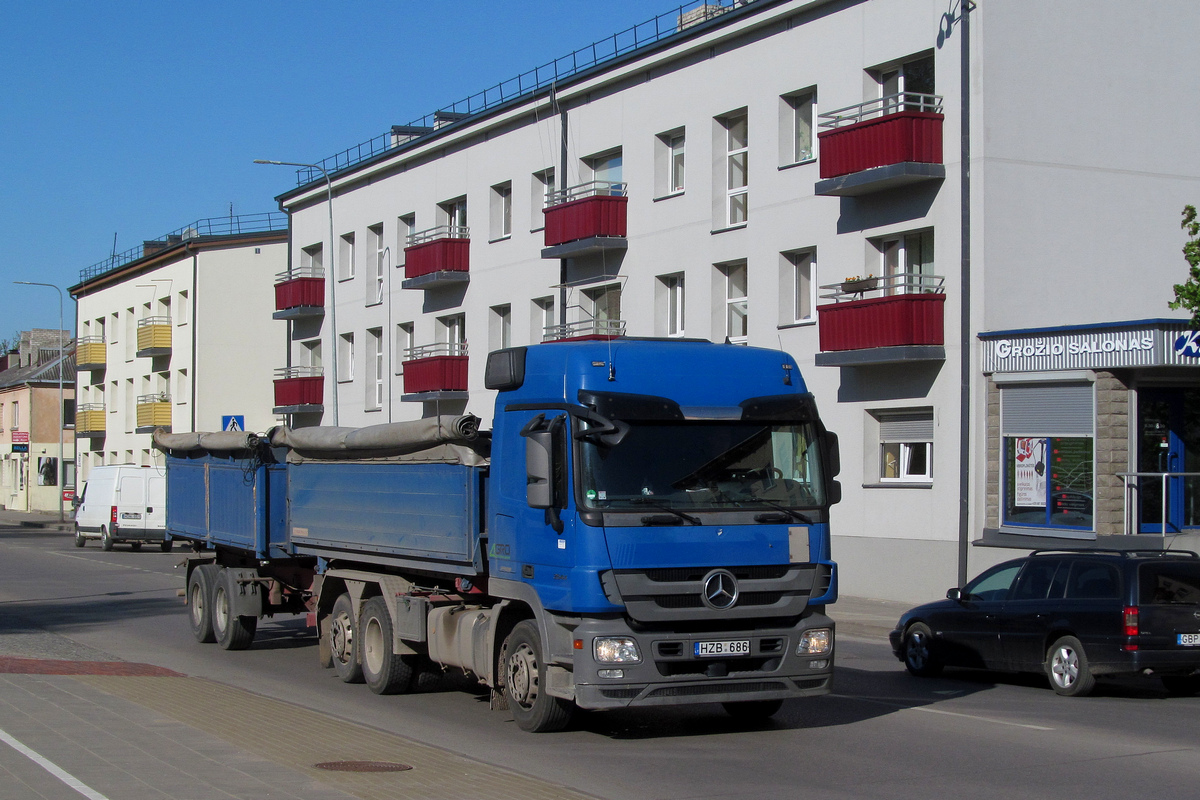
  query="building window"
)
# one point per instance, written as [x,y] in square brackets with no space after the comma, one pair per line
[406,226]
[543,319]
[797,286]
[454,214]
[1048,454]
[345,357]
[181,312]
[737,152]
[311,261]
[377,252]
[311,353]
[182,388]
[501,211]
[405,342]
[541,193]
[500,327]
[733,278]
[604,306]
[905,446]
[452,331]
[346,257]
[901,86]
[669,318]
[16,416]
[669,163]
[377,368]
[906,263]
[606,170]
[796,129]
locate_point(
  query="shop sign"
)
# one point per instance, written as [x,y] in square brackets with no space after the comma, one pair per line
[20,448]
[20,437]
[1092,347]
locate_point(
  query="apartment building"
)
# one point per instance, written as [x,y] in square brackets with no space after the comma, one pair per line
[173,334]
[791,174]
[33,470]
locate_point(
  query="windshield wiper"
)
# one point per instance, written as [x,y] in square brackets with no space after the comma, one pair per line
[653,520]
[789,513]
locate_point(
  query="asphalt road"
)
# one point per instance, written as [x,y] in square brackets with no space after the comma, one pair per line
[882,734]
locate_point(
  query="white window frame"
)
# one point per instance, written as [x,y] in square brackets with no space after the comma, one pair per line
[376,234]
[737,156]
[405,341]
[541,190]
[346,257]
[909,443]
[543,317]
[501,211]
[500,334]
[672,304]
[798,287]
[345,357]
[406,226]
[454,212]
[896,252]
[736,300]
[378,369]
[803,108]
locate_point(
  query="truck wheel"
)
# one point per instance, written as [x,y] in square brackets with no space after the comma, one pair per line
[80,539]
[533,709]
[384,671]
[166,545]
[233,632]
[199,593]
[106,541]
[343,640]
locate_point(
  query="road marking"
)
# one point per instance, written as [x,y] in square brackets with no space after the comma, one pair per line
[908,707]
[52,768]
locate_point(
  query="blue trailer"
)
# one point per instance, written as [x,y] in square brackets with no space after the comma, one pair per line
[647,523]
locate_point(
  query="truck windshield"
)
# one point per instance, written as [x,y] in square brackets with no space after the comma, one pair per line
[704,465]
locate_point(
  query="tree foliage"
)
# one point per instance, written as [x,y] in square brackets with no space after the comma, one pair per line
[1187,294]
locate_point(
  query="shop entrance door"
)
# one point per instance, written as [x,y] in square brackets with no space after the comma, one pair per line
[1169,431]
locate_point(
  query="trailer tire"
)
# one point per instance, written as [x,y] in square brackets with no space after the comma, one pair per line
[199,599]
[343,640]
[233,632]
[106,541]
[384,671]
[533,709]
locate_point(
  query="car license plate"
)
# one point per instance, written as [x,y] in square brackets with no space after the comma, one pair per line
[738,647]
[1189,639]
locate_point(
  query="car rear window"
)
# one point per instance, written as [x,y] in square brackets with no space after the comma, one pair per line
[1169,583]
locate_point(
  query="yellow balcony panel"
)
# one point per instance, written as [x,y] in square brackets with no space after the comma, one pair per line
[89,420]
[153,411]
[90,353]
[154,336]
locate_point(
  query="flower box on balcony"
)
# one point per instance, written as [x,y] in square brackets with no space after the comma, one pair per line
[896,138]
[890,321]
[594,209]
[443,373]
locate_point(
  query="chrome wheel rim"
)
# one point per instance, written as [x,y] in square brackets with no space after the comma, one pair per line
[917,651]
[523,675]
[1064,667]
[341,638]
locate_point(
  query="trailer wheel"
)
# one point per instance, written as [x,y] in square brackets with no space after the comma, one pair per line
[106,541]
[199,595]
[533,709]
[343,642]
[233,632]
[384,671]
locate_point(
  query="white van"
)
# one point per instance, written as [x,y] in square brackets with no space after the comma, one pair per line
[123,503]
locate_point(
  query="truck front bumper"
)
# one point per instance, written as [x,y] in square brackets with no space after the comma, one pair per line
[671,672]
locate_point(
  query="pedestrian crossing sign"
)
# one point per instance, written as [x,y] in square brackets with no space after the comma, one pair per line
[233,422]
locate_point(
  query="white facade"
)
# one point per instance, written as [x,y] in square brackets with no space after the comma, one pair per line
[728,236]
[176,338]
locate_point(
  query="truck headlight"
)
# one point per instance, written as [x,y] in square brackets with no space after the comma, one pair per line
[816,642]
[616,650]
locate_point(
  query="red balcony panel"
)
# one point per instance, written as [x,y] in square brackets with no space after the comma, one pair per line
[906,319]
[597,215]
[303,391]
[436,256]
[436,374]
[299,292]
[890,139]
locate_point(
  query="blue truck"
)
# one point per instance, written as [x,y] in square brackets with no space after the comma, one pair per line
[646,523]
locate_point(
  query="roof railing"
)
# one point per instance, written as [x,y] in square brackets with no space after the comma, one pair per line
[879,107]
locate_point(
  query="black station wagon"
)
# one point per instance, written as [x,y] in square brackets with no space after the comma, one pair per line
[1074,615]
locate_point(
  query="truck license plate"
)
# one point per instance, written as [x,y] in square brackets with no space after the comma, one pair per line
[1189,639]
[738,647]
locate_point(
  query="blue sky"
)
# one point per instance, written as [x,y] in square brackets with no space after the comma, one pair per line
[138,118]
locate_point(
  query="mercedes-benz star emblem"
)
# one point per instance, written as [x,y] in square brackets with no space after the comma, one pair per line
[720,590]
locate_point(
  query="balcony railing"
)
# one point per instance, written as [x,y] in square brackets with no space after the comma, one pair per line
[153,411]
[90,352]
[587,211]
[299,293]
[438,367]
[584,329]
[299,389]
[90,420]
[437,256]
[905,310]
[153,336]
[900,129]
[1134,482]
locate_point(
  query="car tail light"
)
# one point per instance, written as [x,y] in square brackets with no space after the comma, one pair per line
[1130,617]
[112,519]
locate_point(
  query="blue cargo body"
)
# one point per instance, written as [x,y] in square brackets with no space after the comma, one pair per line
[420,516]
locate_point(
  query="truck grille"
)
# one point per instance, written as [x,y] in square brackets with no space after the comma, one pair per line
[676,594]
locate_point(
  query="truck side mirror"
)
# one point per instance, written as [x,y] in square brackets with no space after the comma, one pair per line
[835,455]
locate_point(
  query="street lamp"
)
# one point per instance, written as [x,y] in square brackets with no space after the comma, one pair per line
[61,364]
[332,269]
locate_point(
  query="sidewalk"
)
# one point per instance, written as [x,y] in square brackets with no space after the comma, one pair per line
[47,520]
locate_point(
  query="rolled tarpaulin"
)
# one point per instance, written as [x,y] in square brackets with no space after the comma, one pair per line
[392,437]
[213,441]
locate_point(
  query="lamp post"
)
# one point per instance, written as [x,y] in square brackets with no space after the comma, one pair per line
[332,269]
[61,359]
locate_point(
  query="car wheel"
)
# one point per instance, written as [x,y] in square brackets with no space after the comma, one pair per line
[919,656]
[1181,685]
[106,541]
[80,539]
[1067,668]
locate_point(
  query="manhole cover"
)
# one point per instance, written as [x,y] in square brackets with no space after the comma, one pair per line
[362,766]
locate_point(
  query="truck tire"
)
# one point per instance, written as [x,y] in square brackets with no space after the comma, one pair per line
[165,545]
[525,671]
[199,598]
[233,632]
[343,640]
[106,541]
[80,539]
[384,671]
